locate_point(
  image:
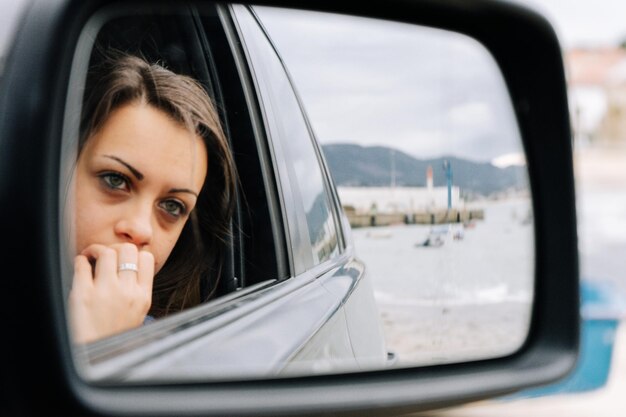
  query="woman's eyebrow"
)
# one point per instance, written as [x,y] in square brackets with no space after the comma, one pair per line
[135,172]
[183,190]
[139,175]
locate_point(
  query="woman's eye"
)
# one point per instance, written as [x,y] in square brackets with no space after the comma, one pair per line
[173,208]
[114,181]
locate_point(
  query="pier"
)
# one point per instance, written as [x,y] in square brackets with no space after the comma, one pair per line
[438,216]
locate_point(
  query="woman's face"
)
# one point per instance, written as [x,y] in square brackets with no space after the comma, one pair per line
[137,179]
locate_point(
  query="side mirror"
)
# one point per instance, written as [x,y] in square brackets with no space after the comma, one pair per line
[164,368]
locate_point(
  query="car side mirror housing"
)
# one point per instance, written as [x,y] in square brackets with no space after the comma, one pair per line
[41,369]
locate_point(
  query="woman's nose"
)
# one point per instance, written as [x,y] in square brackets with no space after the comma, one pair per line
[135,226]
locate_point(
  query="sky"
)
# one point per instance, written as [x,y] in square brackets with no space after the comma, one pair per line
[423,91]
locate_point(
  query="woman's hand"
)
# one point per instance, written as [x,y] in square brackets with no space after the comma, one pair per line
[106,299]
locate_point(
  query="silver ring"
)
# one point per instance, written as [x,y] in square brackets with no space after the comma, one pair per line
[127,267]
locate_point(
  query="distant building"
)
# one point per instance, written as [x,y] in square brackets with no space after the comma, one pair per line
[596,79]
[612,127]
[390,200]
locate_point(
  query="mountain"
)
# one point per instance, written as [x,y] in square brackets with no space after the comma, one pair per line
[360,166]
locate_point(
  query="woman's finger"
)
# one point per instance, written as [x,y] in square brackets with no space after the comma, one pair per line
[105,259]
[128,263]
[83,273]
[146,270]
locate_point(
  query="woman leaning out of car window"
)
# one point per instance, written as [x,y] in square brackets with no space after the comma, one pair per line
[153,187]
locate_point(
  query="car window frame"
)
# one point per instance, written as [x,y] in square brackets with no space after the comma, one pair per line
[330,188]
[301,245]
[120,350]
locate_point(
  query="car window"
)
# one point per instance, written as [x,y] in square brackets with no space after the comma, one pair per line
[292,136]
[169,40]
[193,45]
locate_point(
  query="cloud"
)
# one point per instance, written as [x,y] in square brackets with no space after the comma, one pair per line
[509,159]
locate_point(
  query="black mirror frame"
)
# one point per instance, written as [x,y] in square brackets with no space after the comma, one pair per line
[39,375]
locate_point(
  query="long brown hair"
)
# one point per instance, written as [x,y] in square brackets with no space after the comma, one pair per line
[200,250]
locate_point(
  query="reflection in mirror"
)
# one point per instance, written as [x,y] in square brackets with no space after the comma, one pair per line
[420,136]
[221,224]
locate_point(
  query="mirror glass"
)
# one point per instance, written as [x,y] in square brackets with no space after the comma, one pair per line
[251,192]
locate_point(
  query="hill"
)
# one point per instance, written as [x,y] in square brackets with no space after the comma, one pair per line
[360,166]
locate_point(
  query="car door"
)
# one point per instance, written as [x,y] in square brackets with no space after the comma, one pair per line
[294,298]
[317,227]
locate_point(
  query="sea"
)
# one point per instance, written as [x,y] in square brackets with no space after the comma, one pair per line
[467,298]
